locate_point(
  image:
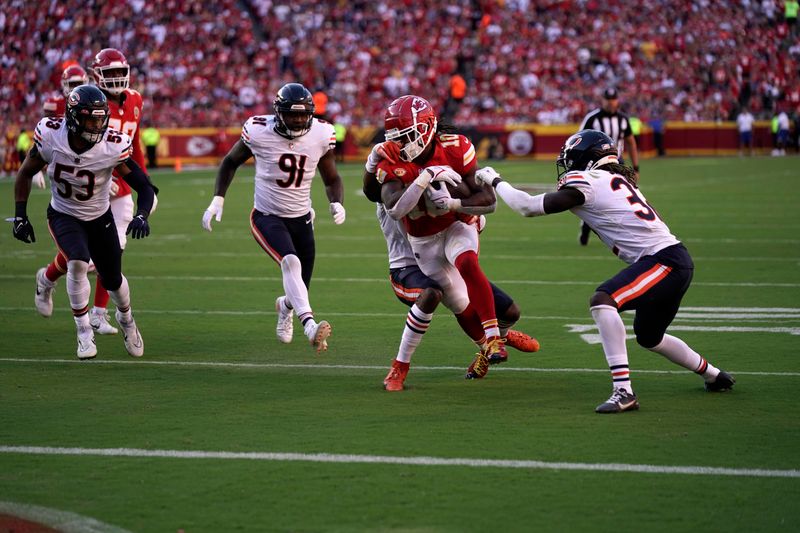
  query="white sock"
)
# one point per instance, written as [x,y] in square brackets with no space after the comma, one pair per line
[612,334]
[417,324]
[294,288]
[122,297]
[78,287]
[681,354]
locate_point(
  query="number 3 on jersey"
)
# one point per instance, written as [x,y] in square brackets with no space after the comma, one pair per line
[649,213]
[295,168]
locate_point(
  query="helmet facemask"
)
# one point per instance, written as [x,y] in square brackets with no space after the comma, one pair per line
[113,79]
[412,140]
[89,121]
[283,125]
[73,77]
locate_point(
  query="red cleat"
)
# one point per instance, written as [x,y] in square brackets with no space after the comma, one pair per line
[521,341]
[396,376]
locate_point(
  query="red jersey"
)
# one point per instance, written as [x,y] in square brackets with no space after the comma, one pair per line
[55,106]
[125,117]
[455,151]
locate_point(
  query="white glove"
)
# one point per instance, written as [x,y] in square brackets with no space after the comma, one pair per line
[486,175]
[380,151]
[439,173]
[337,211]
[38,180]
[214,211]
[114,191]
[440,198]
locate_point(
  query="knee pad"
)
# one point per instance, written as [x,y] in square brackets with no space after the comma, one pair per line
[291,263]
[648,339]
[77,268]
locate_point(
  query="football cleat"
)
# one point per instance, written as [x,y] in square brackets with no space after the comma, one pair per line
[318,335]
[723,382]
[498,355]
[98,318]
[396,377]
[479,367]
[619,401]
[87,349]
[285,327]
[44,293]
[494,353]
[521,341]
[130,335]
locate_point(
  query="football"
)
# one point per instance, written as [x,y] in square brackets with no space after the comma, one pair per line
[458,191]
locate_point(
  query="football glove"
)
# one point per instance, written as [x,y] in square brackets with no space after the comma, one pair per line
[441,173]
[439,197]
[138,228]
[337,211]
[38,180]
[214,211]
[23,230]
[388,150]
[486,175]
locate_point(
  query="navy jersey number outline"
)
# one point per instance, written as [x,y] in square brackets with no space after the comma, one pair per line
[649,213]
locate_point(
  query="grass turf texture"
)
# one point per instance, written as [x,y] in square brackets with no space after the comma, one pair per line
[202,297]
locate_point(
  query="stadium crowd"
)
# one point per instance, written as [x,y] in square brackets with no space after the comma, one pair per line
[214,64]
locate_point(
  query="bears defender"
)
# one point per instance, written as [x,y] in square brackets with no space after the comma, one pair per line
[288,147]
[600,191]
[111,74]
[54,105]
[444,242]
[80,153]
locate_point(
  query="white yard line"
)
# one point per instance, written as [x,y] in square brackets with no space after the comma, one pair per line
[59,520]
[518,464]
[260,279]
[377,368]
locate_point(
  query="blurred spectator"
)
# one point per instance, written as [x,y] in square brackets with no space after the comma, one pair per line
[341,133]
[782,134]
[150,138]
[24,143]
[320,104]
[790,9]
[744,123]
[210,64]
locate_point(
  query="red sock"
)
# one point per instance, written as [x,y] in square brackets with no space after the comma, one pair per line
[479,291]
[57,268]
[471,324]
[100,294]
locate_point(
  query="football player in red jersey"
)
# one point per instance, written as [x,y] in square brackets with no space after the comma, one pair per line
[444,241]
[111,73]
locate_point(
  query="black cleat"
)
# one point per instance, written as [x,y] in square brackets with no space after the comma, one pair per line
[723,382]
[583,236]
[619,401]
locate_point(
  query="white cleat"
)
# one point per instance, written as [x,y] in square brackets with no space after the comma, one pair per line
[130,335]
[98,318]
[318,335]
[87,349]
[285,327]
[44,293]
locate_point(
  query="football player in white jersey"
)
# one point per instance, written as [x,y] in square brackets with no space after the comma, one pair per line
[80,154]
[288,147]
[595,187]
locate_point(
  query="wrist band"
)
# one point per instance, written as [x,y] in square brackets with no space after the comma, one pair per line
[496,181]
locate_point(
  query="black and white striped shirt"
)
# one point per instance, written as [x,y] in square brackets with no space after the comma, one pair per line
[615,125]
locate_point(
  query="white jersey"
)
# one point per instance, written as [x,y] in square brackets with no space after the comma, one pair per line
[80,183]
[619,213]
[285,167]
[400,252]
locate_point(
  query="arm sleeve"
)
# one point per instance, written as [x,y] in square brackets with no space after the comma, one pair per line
[140,182]
[520,201]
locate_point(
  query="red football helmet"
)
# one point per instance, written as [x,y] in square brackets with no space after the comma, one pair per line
[411,122]
[72,76]
[111,71]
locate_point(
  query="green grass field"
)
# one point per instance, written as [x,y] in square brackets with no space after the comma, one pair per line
[215,379]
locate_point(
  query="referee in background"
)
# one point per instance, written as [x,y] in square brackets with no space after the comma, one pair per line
[616,125]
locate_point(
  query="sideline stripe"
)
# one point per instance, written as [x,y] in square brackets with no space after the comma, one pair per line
[62,521]
[313,366]
[259,279]
[410,461]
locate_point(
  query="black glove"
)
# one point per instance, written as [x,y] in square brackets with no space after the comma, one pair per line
[23,230]
[138,228]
